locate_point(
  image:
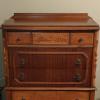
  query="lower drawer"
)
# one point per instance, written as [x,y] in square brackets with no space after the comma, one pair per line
[50,95]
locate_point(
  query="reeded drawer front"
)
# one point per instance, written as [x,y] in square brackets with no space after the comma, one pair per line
[19,38]
[50,38]
[50,66]
[82,38]
[50,95]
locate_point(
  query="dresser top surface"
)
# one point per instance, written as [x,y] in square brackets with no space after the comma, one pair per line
[51,20]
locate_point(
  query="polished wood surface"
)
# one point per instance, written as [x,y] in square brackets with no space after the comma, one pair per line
[82,39]
[50,38]
[50,17]
[54,95]
[50,56]
[55,66]
[19,38]
[49,89]
[80,21]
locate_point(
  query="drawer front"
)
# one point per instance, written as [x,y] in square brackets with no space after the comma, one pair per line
[50,38]
[50,95]
[19,38]
[81,38]
[50,66]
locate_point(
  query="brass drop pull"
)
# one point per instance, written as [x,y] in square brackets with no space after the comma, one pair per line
[78,62]
[80,40]
[23,98]
[22,62]
[77,77]
[21,76]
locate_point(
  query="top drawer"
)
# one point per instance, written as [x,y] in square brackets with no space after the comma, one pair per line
[81,38]
[19,38]
[50,38]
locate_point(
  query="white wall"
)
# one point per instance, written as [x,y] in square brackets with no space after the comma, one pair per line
[8,7]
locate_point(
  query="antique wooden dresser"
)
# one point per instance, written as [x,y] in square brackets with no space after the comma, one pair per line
[50,56]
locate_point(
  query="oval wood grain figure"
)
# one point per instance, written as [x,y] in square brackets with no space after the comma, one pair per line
[50,38]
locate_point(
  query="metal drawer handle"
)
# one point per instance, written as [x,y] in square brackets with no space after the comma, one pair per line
[21,76]
[22,63]
[77,77]
[78,62]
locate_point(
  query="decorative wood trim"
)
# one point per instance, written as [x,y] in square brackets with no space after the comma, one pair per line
[50,88]
[93,75]
[53,14]
[50,16]
[51,21]
[6,67]
[53,46]
[19,27]
[71,53]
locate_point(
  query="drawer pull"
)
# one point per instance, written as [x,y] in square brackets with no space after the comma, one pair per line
[78,62]
[21,76]
[18,40]
[22,63]
[80,40]
[23,98]
[77,77]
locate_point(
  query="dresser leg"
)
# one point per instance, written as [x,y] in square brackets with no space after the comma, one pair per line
[92,95]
